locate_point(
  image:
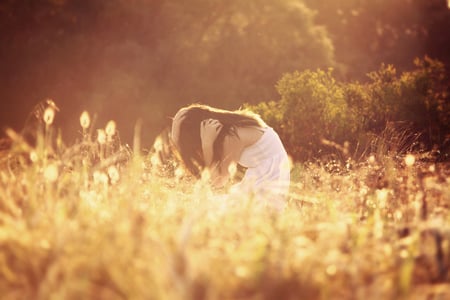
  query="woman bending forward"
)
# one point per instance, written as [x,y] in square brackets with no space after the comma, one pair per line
[213,139]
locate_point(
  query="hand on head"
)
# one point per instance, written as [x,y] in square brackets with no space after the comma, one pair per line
[209,130]
[176,121]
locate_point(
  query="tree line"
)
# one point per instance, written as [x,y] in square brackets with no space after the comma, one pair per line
[142,59]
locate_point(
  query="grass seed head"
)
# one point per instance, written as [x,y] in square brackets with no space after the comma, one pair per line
[49,115]
[101,136]
[100,178]
[34,156]
[158,145]
[110,128]
[85,120]
[113,174]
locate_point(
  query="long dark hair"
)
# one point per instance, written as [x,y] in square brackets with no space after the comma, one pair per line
[189,142]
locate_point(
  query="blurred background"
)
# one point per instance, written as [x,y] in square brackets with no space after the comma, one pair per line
[130,60]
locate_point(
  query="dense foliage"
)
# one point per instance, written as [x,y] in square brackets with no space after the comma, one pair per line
[314,107]
[145,58]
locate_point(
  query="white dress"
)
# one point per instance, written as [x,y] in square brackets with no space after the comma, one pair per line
[268,170]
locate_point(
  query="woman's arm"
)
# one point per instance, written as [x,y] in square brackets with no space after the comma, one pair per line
[209,131]
[232,148]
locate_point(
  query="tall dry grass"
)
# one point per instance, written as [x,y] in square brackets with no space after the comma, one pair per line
[97,220]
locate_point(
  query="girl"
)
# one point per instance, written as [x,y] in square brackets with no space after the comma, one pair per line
[213,139]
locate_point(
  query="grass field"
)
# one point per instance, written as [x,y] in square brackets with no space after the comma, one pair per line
[96,220]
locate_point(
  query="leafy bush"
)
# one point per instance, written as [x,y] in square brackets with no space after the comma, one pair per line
[417,97]
[313,106]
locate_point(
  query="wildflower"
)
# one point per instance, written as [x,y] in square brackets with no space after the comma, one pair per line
[410,160]
[382,196]
[158,144]
[100,178]
[51,173]
[34,156]
[85,120]
[398,215]
[113,174]
[49,115]
[154,159]
[101,136]
[179,172]
[110,129]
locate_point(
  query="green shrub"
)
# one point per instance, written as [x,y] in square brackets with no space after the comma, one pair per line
[314,107]
[418,98]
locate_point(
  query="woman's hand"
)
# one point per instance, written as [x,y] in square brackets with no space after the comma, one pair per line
[209,130]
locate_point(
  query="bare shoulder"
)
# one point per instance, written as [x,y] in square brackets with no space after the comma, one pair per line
[249,135]
[233,145]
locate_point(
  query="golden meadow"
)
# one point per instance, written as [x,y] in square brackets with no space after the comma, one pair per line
[100,220]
